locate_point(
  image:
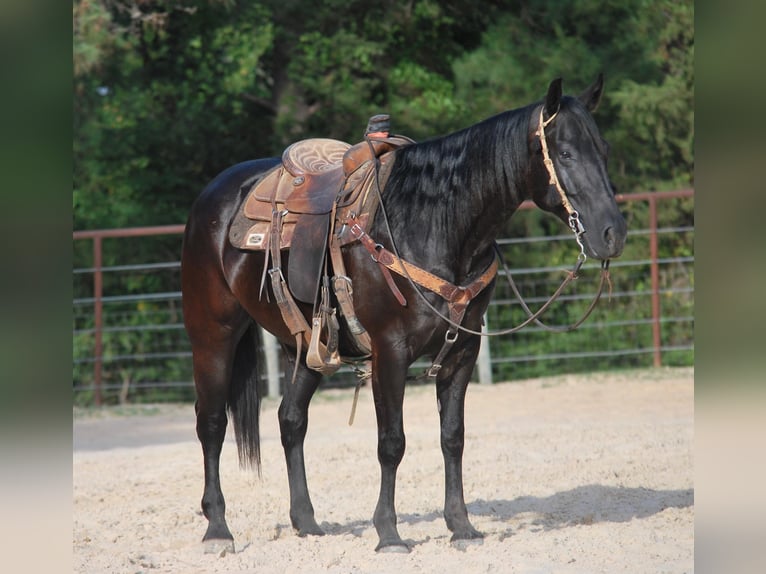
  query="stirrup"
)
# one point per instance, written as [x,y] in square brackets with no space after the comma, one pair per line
[321,358]
[324,358]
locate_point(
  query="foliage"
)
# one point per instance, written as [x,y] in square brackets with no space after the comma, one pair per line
[656,119]
[168,94]
[160,104]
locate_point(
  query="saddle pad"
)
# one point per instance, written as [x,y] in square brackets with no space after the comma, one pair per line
[250,228]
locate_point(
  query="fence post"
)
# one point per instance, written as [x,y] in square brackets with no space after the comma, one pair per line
[270,349]
[485,360]
[655,274]
[98,288]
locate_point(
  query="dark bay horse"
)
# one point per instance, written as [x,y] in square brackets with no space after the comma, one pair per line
[446,200]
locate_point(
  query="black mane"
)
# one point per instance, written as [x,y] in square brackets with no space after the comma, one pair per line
[436,187]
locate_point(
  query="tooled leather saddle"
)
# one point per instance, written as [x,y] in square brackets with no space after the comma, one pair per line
[315,176]
[303,205]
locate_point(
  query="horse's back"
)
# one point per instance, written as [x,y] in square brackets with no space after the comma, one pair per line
[206,234]
[228,188]
[216,205]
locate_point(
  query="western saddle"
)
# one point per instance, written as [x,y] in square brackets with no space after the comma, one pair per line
[308,204]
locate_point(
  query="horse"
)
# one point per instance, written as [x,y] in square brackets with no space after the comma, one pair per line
[442,207]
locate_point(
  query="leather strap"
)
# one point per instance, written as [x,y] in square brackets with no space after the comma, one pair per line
[291,315]
[343,290]
[383,257]
[457,296]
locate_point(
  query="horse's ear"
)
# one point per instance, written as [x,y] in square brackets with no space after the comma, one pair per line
[591,97]
[553,98]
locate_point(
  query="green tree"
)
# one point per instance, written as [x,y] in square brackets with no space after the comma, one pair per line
[655,125]
[164,98]
[167,95]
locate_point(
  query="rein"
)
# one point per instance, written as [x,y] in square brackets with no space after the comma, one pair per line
[459,297]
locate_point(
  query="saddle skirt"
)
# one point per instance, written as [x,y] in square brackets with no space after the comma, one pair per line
[317,180]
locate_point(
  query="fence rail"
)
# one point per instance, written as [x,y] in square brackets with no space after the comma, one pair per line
[650,263]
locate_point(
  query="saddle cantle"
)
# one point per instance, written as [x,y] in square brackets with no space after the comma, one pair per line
[317,170]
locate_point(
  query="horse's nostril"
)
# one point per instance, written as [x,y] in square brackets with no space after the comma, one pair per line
[614,240]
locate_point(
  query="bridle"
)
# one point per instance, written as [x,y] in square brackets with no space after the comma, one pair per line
[405,269]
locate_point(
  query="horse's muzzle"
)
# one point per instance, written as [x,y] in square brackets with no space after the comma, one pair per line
[614,240]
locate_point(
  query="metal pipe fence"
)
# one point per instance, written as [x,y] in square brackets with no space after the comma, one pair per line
[131,343]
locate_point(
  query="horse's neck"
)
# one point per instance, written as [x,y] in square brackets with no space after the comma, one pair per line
[448,212]
[472,243]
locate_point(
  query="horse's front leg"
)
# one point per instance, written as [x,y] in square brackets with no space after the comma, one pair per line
[293,423]
[451,388]
[388,376]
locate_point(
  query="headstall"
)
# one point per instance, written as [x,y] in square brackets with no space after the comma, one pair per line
[574,218]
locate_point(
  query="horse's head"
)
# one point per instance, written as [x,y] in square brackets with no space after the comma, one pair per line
[571,176]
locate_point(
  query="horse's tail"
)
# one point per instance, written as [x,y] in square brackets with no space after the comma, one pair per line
[245,400]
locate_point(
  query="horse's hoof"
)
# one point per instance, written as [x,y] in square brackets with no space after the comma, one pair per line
[466,539]
[310,530]
[396,548]
[218,546]
[464,543]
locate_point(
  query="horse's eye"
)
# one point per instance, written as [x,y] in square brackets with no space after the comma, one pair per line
[565,155]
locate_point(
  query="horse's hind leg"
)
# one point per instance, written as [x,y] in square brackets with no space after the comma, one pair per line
[215,323]
[293,423]
[451,391]
[212,370]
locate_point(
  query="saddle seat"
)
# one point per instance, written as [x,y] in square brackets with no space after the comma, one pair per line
[315,170]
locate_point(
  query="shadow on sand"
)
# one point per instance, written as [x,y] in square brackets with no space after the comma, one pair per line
[584,505]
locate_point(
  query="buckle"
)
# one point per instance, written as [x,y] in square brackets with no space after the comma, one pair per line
[433,370]
[376,256]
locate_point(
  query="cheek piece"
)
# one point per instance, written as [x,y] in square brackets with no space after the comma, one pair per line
[574,218]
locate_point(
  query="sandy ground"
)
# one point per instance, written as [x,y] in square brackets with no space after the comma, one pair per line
[573,474]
